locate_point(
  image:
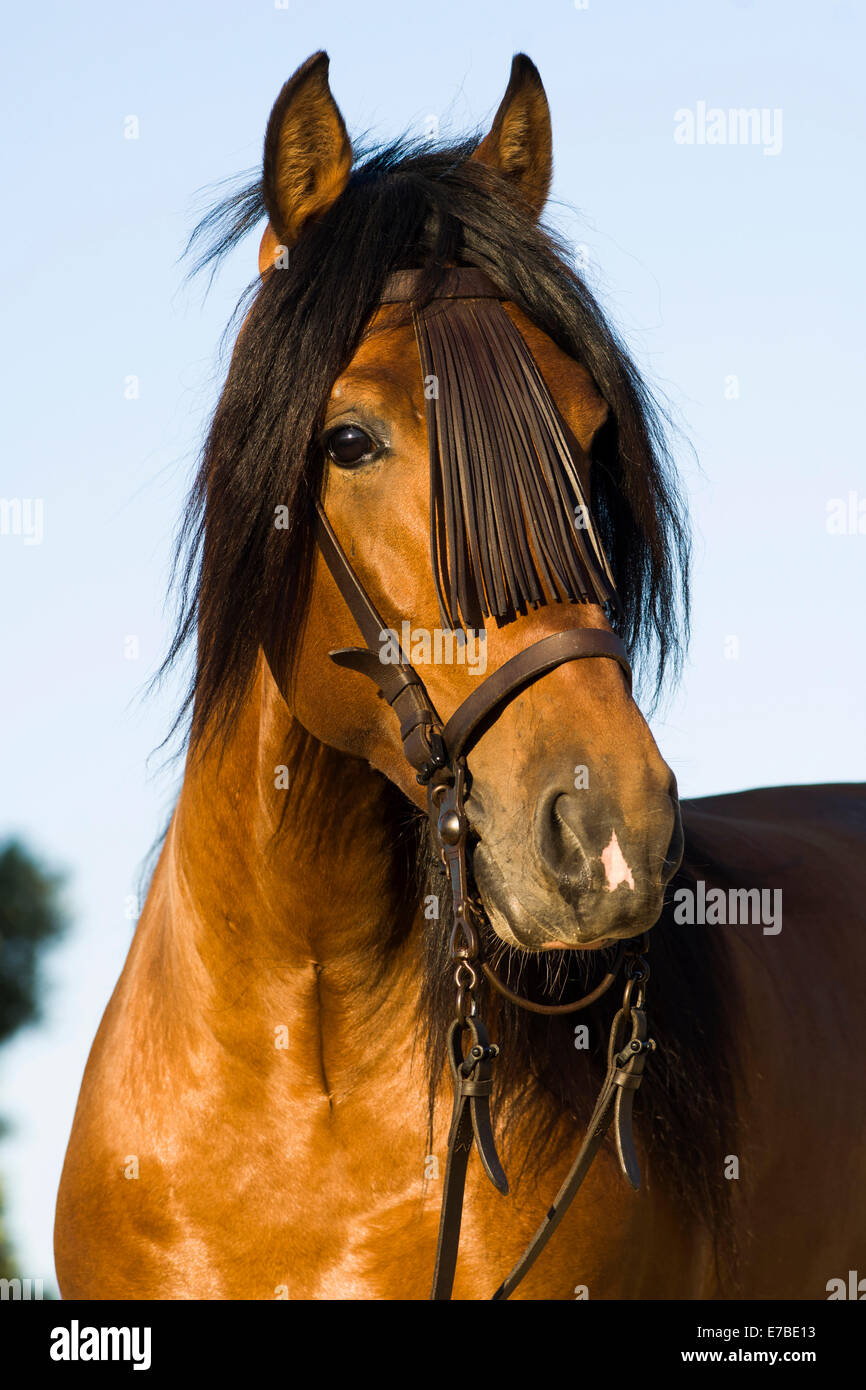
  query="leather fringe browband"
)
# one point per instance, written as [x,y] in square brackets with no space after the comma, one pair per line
[510,527]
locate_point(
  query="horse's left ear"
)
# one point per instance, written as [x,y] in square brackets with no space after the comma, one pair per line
[520,143]
[307,156]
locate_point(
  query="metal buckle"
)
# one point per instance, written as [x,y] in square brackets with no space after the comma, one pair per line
[438,757]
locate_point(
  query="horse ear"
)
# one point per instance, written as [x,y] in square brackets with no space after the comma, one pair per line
[307,156]
[520,143]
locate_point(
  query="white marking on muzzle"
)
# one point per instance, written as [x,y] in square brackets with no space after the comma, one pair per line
[616,869]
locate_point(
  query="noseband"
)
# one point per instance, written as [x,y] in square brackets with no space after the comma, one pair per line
[437,751]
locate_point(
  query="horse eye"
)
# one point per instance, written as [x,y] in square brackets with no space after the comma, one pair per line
[348,444]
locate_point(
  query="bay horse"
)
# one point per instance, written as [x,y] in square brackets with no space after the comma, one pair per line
[264,1111]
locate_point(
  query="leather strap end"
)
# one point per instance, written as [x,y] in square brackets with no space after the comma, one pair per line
[486,1145]
[624,1138]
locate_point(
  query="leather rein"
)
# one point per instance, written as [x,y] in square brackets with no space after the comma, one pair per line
[437,751]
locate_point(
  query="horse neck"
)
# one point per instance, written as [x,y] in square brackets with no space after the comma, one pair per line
[293,902]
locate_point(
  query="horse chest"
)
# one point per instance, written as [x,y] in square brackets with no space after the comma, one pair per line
[342,1206]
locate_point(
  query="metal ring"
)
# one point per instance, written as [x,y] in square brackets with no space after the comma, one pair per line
[637,968]
[626,998]
[437,792]
[460,978]
[463,997]
[470,935]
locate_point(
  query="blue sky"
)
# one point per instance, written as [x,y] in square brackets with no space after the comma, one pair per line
[733,273]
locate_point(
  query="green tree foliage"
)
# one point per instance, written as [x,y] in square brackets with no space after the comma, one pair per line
[7,1263]
[30,918]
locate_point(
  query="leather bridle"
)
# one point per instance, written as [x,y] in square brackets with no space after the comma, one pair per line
[438,751]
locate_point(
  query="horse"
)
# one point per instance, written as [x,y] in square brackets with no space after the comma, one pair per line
[264,1112]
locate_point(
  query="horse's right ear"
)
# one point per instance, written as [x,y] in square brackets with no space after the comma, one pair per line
[307,157]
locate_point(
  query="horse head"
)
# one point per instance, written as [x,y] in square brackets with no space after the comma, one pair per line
[573,813]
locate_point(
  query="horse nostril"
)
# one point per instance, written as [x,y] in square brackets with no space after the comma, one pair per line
[559,836]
